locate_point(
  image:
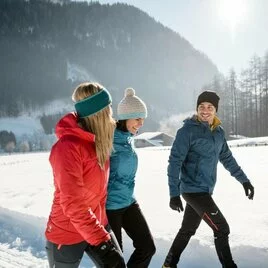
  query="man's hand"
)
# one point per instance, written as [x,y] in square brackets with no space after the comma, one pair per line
[249,190]
[175,203]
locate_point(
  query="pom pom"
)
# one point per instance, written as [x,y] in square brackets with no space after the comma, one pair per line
[129,92]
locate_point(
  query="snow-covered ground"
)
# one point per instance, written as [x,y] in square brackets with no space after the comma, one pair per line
[26,194]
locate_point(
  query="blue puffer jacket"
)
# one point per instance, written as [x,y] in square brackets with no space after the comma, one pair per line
[194,157]
[124,162]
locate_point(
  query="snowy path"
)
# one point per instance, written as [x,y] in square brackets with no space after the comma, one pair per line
[13,258]
[26,194]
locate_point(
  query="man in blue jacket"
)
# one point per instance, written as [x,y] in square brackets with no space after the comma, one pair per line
[192,170]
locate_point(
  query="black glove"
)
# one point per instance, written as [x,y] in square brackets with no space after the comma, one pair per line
[109,255]
[175,203]
[249,190]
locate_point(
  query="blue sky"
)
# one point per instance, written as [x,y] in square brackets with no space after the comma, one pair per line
[229,32]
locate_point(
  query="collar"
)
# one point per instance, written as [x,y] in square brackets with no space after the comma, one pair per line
[216,122]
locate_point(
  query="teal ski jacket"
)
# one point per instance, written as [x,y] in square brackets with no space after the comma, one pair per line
[194,157]
[123,167]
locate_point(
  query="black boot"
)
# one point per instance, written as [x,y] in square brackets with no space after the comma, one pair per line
[171,260]
[224,252]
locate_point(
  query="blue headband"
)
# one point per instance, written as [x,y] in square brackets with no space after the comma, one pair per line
[93,104]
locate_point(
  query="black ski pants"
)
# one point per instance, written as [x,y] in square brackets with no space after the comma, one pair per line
[133,222]
[201,206]
[70,256]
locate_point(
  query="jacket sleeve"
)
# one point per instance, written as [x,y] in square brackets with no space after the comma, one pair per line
[178,154]
[230,164]
[68,173]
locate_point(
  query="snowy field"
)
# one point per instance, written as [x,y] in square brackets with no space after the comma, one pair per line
[26,195]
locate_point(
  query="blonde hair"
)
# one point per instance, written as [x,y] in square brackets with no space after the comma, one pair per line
[101,124]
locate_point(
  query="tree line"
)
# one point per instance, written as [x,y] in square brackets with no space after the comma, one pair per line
[244,98]
[7,141]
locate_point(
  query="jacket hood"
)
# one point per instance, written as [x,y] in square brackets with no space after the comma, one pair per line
[194,121]
[191,120]
[68,126]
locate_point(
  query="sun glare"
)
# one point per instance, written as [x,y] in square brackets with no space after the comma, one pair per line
[232,12]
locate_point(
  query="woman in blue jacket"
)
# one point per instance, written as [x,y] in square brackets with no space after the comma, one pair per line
[192,170]
[122,209]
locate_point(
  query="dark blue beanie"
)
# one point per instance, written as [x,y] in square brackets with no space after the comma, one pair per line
[208,96]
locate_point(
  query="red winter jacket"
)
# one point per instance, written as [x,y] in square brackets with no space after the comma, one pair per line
[78,209]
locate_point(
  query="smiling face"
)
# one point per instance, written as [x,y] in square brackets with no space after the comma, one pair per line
[206,112]
[133,125]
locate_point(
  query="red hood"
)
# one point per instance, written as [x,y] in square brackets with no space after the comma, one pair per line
[68,126]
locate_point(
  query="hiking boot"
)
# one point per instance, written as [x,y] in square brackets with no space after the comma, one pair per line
[168,266]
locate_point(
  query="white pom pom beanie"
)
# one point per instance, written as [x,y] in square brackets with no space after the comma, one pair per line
[131,106]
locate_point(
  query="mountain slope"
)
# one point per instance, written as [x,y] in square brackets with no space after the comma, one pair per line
[117,45]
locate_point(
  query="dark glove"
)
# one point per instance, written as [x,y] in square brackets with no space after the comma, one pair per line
[175,203]
[109,255]
[249,190]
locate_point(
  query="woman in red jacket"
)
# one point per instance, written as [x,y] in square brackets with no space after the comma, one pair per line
[80,161]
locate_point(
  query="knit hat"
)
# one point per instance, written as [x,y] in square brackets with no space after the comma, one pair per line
[131,106]
[208,96]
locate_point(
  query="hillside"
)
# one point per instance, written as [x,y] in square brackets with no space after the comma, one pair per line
[48,48]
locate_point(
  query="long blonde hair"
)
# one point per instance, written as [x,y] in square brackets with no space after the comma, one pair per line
[101,123]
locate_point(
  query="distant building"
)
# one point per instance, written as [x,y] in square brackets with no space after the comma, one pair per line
[148,139]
